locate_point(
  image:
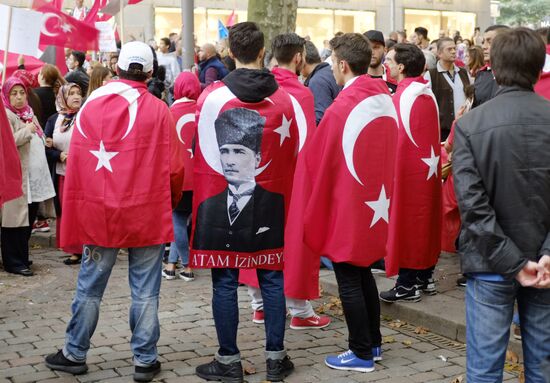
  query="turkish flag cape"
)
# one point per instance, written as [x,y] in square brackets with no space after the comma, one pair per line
[255,238]
[124,170]
[342,187]
[184,116]
[414,239]
[10,165]
[542,87]
[60,29]
[304,110]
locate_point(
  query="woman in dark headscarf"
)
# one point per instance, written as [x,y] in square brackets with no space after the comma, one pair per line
[19,214]
[60,128]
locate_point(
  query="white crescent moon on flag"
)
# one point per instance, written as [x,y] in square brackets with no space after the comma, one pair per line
[46,17]
[408,97]
[207,132]
[182,121]
[300,121]
[114,88]
[363,114]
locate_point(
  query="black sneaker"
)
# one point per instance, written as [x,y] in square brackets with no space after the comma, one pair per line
[187,277]
[461,281]
[169,274]
[60,363]
[427,287]
[146,374]
[401,293]
[227,373]
[278,369]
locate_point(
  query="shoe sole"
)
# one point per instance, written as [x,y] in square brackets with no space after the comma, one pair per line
[145,376]
[278,378]
[358,369]
[75,370]
[168,277]
[308,327]
[187,279]
[258,321]
[410,299]
[218,378]
[377,358]
[40,230]
[429,292]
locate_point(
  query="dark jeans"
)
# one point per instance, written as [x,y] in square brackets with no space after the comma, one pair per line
[225,308]
[361,305]
[15,243]
[410,277]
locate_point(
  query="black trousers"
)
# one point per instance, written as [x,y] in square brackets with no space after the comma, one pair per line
[359,296]
[411,277]
[15,243]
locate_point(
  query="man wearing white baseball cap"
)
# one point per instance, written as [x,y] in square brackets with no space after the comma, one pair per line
[123,179]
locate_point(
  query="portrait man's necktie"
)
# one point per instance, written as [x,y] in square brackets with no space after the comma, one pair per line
[233,208]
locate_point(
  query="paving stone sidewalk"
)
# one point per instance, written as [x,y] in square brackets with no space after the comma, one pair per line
[34,312]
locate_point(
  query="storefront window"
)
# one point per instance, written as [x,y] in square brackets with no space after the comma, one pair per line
[436,21]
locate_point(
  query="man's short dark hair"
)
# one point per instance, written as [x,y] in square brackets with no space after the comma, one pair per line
[496,27]
[166,41]
[517,57]
[422,32]
[79,57]
[354,48]
[442,42]
[312,54]
[286,45]
[134,73]
[411,57]
[246,40]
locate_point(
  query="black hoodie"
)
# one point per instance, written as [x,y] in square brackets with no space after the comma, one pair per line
[251,85]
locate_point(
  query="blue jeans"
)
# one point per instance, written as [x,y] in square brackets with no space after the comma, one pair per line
[179,248]
[225,308]
[489,311]
[145,266]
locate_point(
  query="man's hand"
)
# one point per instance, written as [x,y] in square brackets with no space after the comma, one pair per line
[529,276]
[49,142]
[543,268]
[63,157]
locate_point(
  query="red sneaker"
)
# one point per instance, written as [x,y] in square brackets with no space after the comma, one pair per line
[40,226]
[258,316]
[315,321]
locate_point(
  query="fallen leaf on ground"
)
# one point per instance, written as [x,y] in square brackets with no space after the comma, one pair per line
[407,342]
[397,323]
[421,330]
[458,379]
[249,369]
[512,357]
[388,339]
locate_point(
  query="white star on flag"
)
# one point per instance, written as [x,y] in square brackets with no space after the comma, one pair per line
[284,129]
[432,163]
[190,152]
[381,207]
[66,27]
[104,157]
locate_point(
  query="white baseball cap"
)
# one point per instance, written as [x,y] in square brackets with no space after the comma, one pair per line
[136,52]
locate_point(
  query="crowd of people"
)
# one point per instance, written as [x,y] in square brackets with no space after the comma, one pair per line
[262,164]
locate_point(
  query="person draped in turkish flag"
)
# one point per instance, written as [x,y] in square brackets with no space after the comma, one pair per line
[187,90]
[341,198]
[414,240]
[288,51]
[245,154]
[124,177]
[10,176]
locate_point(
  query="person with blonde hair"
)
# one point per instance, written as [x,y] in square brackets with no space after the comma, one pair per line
[99,77]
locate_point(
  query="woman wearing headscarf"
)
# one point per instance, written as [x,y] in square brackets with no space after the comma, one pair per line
[19,214]
[187,90]
[60,129]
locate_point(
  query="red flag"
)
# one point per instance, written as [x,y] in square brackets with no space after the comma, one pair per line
[342,187]
[10,165]
[414,239]
[92,17]
[542,87]
[125,172]
[62,30]
[231,19]
[244,161]
[32,64]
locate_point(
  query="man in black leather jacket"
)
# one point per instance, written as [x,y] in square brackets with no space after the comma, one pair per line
[501,167]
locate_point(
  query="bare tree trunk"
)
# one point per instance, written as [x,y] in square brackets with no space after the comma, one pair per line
[273,16]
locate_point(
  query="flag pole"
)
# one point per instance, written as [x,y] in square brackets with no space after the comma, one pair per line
[188,46]
[121,22]
[6,52]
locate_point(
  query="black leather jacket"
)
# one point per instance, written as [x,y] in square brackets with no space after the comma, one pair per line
[501,169]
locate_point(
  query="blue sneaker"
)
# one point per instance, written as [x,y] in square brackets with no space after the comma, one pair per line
[377,354]
[348,361]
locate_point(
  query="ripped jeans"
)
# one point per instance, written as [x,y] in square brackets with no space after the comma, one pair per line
[144,274]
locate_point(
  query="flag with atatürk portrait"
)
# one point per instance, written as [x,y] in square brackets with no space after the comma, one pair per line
[343,186]
[414,240]
[245,154]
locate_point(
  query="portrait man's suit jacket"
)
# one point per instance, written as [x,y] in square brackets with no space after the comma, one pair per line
[259,226]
